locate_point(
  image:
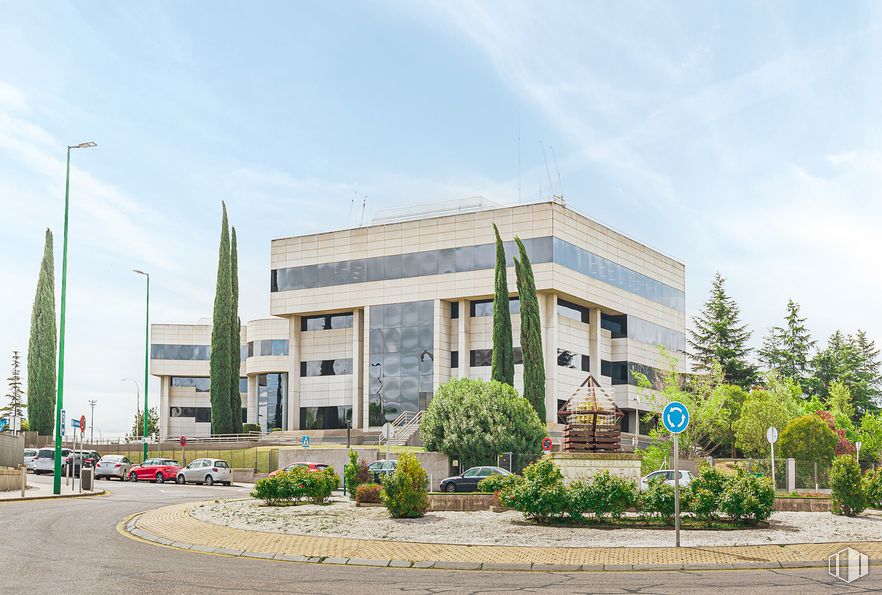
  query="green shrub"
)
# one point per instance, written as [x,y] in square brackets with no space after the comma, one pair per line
[603,495]
[846,492]
[364,473]
[872,485]
[250,428]
[748,498]
[405,491]
[268,490]
[368,493]
[657,501]
[291,487]
[350,473]
[498,483]
[706,494]
[319,485]
[541,495]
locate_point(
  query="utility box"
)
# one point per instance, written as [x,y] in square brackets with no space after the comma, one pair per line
[86,478]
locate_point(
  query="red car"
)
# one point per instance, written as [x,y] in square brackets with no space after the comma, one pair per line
[310,466]
[158,470]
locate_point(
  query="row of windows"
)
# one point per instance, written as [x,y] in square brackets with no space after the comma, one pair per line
[571,310]
[616,325]
[472,258]
[402,315]
[326,367]
[403,266]
[187,352]
[623,372]
[653,334]
[201,414]
[325,418]
[202,384]
[571,359]
[479,358]
[325,322]
[268,347]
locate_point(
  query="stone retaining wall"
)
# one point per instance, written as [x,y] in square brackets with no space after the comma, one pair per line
[802,504]
[10,479]
[461,502]
[586,465]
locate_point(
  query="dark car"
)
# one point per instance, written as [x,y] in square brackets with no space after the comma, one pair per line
[81,458]
[380,469]
[468,481]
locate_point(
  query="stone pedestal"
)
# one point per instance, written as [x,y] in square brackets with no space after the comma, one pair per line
[586,465]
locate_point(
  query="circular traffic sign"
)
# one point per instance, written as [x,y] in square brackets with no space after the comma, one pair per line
[82,423]
[772,434]
[675,417]
[546,444]
[183,441]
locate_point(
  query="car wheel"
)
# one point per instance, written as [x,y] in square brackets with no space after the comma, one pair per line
[227,483]
[209,480]
[181,481]
[133,476]
[451,487]
[160,478]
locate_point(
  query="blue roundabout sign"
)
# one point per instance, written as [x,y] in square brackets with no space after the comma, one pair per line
[675,417]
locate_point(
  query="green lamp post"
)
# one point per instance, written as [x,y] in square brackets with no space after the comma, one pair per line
[146,359]
[56,484]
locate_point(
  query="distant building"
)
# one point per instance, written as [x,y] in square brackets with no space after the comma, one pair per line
[370,321]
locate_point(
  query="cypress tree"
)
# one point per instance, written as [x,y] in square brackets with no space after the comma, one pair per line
[531,333]
[221,422]
[718,336]
[42,347]
[235,339]
[503,356]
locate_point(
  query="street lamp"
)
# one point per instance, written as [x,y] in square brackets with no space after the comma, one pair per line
[92,423]
[59,401]
[146,358]
[137,395]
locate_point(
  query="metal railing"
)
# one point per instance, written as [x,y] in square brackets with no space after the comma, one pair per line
[404,426]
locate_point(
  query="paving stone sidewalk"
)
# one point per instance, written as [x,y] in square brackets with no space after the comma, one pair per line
[174,526]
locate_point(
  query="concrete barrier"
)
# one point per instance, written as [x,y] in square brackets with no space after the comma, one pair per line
[802,504]
[10,479]
[461,502]
[11,450]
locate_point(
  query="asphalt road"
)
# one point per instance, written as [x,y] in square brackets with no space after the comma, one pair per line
[72,546]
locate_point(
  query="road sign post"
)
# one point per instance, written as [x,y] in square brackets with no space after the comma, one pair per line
[387,432]
[304,441]
[547,444]
[772,437]
[184,449]
[675,418]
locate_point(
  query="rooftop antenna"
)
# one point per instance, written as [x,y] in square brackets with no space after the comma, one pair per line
[547,169]
[519,152]
[559,198]
[351,206]
[363,205]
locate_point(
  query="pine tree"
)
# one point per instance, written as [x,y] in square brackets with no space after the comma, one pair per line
[503,351]
[221,422]
[235,339]
[42,347]
[15,409]
[531,333]
[718,336]
[852,360]
[786,350]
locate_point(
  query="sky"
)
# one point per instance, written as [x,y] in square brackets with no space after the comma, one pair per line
[740,137]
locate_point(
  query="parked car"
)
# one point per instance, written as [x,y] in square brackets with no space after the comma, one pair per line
[81,458]
[380,469]
[207,471]
[158,470]
[310,466]
[44,461]
[468,481]
[29,455]
[111,466]
[667,476]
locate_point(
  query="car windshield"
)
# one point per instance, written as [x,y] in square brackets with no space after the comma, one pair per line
[222,464]
[111,458]
[30,453]
[169,462]
[46,453]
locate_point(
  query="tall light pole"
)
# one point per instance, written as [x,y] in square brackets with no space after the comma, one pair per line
[92,423]
[56,484]
[146,358]
[137,396]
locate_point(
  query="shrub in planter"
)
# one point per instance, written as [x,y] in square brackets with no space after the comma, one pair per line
[748,498]
[318,485]
[706,494]
[603,495]
[405,491]
[541,495]
[498,483]
[658,501]
[368,493]
[846,492]
[250,428]
[872,485]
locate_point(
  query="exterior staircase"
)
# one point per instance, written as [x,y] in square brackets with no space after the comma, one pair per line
[403,428]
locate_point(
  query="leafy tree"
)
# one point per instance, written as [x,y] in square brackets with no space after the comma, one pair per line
[152,424]
[843,444]
[719,337]
[42,347]
[774,406]
[839,400]
[15,409]
[235,339]
[870,435]
[733,400]
[503,352]
[531,333]
[808,438]
[854,361]
[475,420]
[221,422]
[786,350]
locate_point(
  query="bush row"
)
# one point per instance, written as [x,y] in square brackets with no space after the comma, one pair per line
[295,486]
[542,496]
[851,493]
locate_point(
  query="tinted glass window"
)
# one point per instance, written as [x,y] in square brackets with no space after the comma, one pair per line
[571,310]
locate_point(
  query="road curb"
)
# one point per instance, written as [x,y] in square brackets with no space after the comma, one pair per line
[58,497]
[128,527]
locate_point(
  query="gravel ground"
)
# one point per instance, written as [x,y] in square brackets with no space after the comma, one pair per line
[342,519]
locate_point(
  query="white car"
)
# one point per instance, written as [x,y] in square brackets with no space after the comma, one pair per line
[111,466]
[29,454]
[667,476]
[207,471]
[44,461]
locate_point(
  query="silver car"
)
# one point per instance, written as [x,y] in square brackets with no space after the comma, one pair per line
[111,466]
[44,461]
[29,454]
[207,471]
[667,476]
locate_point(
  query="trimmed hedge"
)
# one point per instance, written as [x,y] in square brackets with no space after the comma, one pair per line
[497,482]
[604,495]
[748,498]
[295,486]
[368,493]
